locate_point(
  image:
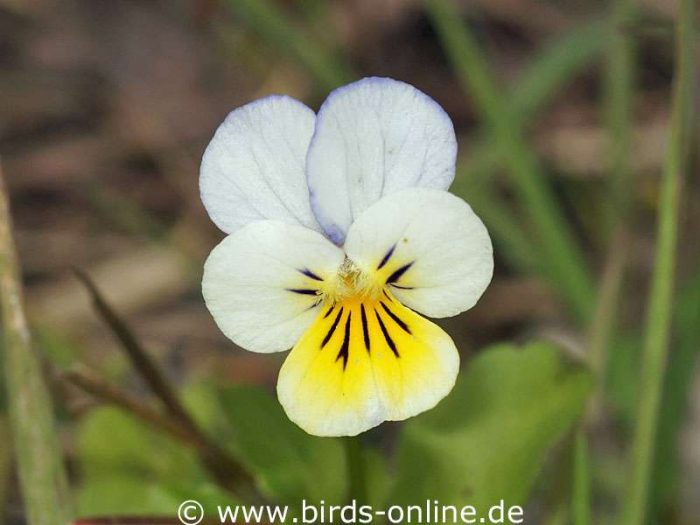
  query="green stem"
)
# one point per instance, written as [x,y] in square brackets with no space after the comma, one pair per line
[565,259]
[656,342]
[581,500]
[36,445]
[357,470]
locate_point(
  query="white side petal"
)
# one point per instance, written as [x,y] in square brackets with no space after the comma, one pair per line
[254,167]
[374,137]
[259,283]
[428,246]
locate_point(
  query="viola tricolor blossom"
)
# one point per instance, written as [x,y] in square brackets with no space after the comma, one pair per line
[340,235]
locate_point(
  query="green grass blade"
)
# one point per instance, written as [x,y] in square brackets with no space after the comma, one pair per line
[656,344]
[555,66]
[37,449]
[678,386]
[270,21]
[619,94]
[550,70]
[508,234]
[566,266]
[619,88]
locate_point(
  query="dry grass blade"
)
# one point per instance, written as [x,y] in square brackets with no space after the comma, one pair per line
[180,424]
[100,389]
[224,469]
[138,356]
[39,460]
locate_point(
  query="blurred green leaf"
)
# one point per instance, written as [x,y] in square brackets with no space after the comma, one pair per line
[127,468]
[487,441]
[58,348]
[290,464]
[201,400]
[124,494]
[127,494]
[110,440]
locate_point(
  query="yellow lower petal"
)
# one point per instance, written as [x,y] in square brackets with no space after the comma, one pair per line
[363,362]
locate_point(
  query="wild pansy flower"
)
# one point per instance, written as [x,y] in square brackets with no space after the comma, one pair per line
[341,233]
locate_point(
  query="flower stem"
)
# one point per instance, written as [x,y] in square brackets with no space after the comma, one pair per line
[357,470]
[656,342]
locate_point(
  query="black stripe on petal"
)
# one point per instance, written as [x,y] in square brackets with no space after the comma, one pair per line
[365,328]
[310,274]
[345,347]
[318,301]
[389,341]
[303,291]
[398,273]
[331,330]
[386,257]
[396,319]
[330,310]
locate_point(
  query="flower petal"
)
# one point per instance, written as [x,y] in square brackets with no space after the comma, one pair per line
[254,167]
[261,283]
[428,246]
[374,137]
[362,363]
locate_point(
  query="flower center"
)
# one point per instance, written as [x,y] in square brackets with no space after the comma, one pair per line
[351,283]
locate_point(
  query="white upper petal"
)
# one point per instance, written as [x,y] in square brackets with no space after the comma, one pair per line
[374,137]
[434,241]
[254,167]
[258,281]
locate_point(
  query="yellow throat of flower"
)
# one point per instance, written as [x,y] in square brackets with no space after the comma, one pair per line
[352,284]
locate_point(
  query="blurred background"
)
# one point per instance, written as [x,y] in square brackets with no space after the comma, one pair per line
[107,106]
